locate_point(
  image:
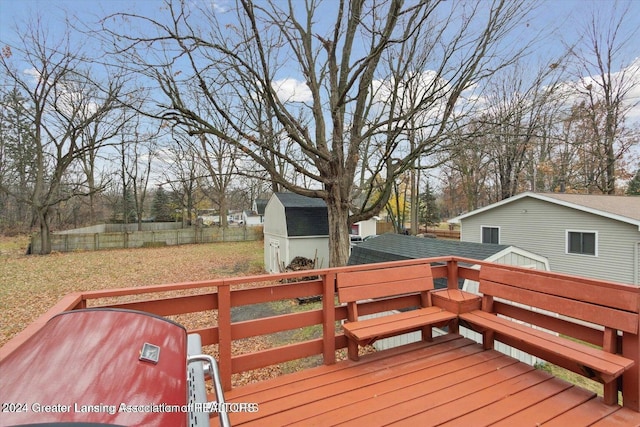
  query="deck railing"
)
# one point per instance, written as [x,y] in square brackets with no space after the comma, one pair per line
[221,295]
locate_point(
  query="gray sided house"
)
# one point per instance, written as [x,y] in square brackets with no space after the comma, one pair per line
[589,235]
[395,247]
[294,226]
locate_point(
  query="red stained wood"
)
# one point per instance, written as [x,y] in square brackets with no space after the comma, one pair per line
[610,365]
[620,297]
[175,305]
[381,282]
[272,356]
[455,300]
[614,307]
[270,325]
[224,335]
[574,307]
[388,282]
[450,380]
[547,409]
[397,323]
[422,382]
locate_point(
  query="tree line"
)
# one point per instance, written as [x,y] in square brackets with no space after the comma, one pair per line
[369,106]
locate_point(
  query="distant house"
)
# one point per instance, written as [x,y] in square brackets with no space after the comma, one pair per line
[255,216]
[295,225]
[395,247]
[365,228]
[588,235]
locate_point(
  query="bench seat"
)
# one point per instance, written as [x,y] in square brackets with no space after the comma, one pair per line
[588,321]
[367,331]
[595,363]
[359,288]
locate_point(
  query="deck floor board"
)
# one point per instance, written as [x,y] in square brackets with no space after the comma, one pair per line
[450,381]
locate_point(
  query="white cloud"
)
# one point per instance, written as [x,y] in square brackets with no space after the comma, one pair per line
[292,90]
[67,99]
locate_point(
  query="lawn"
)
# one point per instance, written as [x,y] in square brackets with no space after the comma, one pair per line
[30,285]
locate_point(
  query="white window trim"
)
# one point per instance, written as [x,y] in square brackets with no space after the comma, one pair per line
[566,242]
[491,226]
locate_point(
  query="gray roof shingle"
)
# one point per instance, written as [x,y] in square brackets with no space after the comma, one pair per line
[394,247]
[305,216]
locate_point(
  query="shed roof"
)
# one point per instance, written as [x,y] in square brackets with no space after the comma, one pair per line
[305,216]
[619,208]
[393,247]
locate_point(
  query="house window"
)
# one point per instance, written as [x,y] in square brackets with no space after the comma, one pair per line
[582,242]
[490,235]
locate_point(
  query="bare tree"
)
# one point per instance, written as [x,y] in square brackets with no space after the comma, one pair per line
[515,123]
[64,100]
[606,93]
[347,61]
[137,149]
[465,164]
[95,136]
[185,175]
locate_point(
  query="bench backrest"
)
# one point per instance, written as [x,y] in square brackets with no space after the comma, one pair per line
[612,307]
[383,282]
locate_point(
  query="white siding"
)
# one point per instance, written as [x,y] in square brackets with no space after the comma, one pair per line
[540,227]
[637,266]
[367,228]
[309,247]
[275,234]
[275,222]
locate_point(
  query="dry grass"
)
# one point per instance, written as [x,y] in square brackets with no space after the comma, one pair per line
[30,285]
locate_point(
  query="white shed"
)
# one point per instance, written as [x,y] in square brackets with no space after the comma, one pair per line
[295,225]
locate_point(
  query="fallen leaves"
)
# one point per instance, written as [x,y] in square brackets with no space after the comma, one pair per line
[31,285]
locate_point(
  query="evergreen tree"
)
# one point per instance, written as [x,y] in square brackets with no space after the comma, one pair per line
[17,151]
[428,210]
[633,189]
[161,206]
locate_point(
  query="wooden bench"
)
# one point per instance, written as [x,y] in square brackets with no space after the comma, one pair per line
[561,297]
[384,283]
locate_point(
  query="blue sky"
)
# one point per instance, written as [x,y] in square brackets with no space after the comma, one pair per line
[559,18]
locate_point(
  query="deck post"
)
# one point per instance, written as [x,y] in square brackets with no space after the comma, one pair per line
[224,335]
[631,377]
[452,274]
[329,319]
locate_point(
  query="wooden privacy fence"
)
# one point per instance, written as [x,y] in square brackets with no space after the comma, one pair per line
[137,239]
[218,297]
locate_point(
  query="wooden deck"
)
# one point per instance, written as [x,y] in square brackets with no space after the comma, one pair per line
[450,381]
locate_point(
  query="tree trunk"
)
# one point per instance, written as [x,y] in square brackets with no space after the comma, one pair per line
[222,204]
[338,230]
[45,233]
